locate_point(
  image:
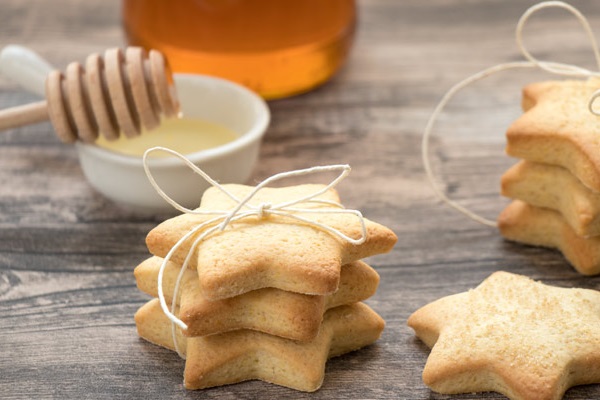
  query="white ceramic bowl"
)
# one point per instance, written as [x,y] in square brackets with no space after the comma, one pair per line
[122,178]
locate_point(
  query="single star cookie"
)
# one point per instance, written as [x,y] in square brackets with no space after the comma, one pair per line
[277,312]
[550,186]
[274,251]
[558,128]
[245,355]
[511,335]
[536,226]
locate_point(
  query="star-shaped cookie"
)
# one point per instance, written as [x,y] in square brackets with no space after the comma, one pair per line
[537,226]
[277,312]
[244,355]
[511,335]
[274,251]
[553,187]
[557,128]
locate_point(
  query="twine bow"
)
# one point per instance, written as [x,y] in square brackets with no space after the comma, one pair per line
[244,209]
[532,62]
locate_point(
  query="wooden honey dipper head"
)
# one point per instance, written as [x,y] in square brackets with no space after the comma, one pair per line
[123,91]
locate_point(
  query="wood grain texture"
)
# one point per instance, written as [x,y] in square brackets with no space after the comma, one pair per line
[67,293]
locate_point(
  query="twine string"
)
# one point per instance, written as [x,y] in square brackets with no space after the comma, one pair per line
[244,209]
[531,62]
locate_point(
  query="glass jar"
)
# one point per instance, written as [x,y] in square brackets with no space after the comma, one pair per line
[277,48]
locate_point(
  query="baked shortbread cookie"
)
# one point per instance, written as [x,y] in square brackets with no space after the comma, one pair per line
[275,251]
[558,128]
[245,355]
[511,335]
[277,312]
[550,186]
[524,223]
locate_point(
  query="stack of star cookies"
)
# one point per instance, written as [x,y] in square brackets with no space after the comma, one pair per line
[556,185]
[269,297]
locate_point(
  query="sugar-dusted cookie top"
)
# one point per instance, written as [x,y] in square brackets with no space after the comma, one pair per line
[274,251]
[558,128]
[511,335]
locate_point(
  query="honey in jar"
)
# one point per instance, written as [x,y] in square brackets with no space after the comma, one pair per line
[275,47]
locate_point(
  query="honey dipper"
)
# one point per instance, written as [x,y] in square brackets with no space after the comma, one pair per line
[122,91]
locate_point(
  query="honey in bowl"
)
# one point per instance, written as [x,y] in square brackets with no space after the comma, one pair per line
[275,47]
[184,135]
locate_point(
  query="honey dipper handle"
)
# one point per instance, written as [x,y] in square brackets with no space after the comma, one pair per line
[24,67]
[23,115]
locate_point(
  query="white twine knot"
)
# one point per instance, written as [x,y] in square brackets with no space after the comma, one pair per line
[244,209]
[532,62]
[263,210]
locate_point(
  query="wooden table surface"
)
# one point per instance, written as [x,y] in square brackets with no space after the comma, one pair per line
[67,293]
